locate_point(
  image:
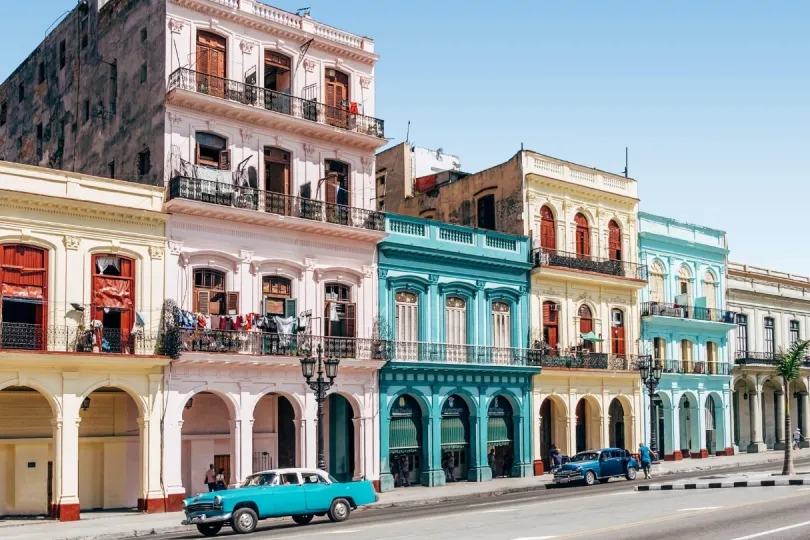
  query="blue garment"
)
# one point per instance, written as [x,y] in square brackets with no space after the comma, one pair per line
[645,454]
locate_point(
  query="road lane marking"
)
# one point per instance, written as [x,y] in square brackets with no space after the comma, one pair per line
[699,509]
[773,531]
[535,538]
[343,531]
[500,510]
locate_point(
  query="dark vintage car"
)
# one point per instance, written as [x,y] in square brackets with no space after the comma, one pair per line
[594,466]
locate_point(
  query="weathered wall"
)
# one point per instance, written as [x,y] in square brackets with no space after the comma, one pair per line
[121,123]
[395,163]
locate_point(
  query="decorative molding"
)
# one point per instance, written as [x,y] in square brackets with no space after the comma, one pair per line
[212,125]
[175,247]
[309,149]
[366,161]
[337,153]
[156,252]
[368,271]
[175,26]
[214,22]
[175,118]
[365,82]
[433,278]
[309,263]
[480,284]
[382,273]
[71,242]
[246,46]
[246,256]
[338,61]
[115,246]
[246,134]
[309,65]
[279,140]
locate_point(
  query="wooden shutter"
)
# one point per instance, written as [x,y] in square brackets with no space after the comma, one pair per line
[202,59]
[548,232]
[351,323]
[552,337]
[331,189]
[202,301]
[614,241]
[582,235]
[618,339]
[232,303]
[585,325]
[225,160]
[327,323]
[290,307]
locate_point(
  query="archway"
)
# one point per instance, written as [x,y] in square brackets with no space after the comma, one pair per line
[798,415]
[340,443]
[714,424]
[207,440]
[109,451]
[405,440]
[455,431]
[662,412]
[689,436]
[588,431]
[274,433]
[772,404]
[553,429]
[741,411]
[26,437]
[501,436]
[616,424]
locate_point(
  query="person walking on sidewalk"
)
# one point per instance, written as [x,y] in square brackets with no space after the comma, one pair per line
[797,439]
[491,461]
[211,478]
[221,480]
[404,472]
[646,459]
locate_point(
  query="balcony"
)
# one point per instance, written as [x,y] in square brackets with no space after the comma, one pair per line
[75,339]
[681,367]
[585,360]
[446,353]
[267,207]
[660,309]
[746,358]
[590,265]
[268,108]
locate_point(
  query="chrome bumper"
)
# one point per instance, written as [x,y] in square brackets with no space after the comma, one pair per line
[199,520]
[568,478]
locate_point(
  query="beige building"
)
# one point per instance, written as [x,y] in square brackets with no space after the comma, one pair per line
[81,376]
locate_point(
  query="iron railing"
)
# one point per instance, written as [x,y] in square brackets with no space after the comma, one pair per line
[743,358]
[701,367]
[589,263]
[277,102]
[586,360]
[34,337]
[660,309]
[447,353]
[224,194]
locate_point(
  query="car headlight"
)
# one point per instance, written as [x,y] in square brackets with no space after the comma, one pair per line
[184,503]
[218,501]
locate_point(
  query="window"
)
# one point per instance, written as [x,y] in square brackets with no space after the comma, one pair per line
[277,178]
[113,300]
[24,275]
[407,316]
[336,89]
[551,324]
[337,182]
[111,169]
[660,349]
[3,113]
[501,325]
[209,292]
[794,332]
[617,344]
[582,236]
[84,13]
[742,335]
[113,86]
[277,78]
[486,212]
[614,241]
[466,218]
[211,65]
[21,92]
[548,230]
[340,313]
[39,142]
[41,73]
[143,35]
[277,296]
[211,151]
[86,109]
[143,73]
[686,356]
[711,357]
[684,287]
[381,180]
[455,320]
[769,335]
[62,54]
[656,282]
[381,205]
[586,326]
[144,162]
[710,291]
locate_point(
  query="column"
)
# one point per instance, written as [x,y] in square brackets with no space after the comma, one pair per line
[236,452]
[151,444]
[476,471]
[804,424]
[246,448]
[700,451]
[67,500]
[779,403]
[432,474]
[172,465]
[56,423]
[755,415]
[359,448]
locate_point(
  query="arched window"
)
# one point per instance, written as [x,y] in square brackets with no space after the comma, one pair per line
[617,344]
[407,314]
[710,292]
[24,288]
[586,326]
[614,241]
[277,297]
[209,292]
[340,313]
[455,320]
[551,325]
[656,282]
[548,230]
[501,325]
[582,236]
[684,287]
[686,356]
[113,293]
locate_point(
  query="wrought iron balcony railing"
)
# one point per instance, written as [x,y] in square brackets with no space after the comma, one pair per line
[224,194]
[277,102]
[660,309]
[696,368]
[418,351]
[589,263]
[75,339]
[585,360]
[745,358]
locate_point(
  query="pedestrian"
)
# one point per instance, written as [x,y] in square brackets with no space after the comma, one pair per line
[404,472]
[797,439]
[221,480]
[491,461]
[508,460]
[211,478]
[451,465]
[556,456]
[646,459]
[395,470]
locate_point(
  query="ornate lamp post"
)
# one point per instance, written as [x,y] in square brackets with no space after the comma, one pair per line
[320,386]
[650,370]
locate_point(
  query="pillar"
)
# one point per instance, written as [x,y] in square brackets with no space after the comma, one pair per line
[477,470]
[246,449]
[67,500]
[755,415]
[359,426]
[779,402]
[432,474]
[172,465]
[699,439]
[804,404]
[236,451]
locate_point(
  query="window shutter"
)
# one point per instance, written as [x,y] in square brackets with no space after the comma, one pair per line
[290,307]
[331,190]
[330,94]
[225,160]
[351,312]
[232,303]
[202,59]
[203,300]
[326,322]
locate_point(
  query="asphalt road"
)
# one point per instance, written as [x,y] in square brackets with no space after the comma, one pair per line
[611,511]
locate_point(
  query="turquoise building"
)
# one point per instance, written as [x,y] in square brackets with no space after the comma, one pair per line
[456,386]
[685,326]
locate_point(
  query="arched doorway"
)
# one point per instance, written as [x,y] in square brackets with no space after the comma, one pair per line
[274,433]
[551,334]
[553,428]
[586,327]
[455,431]
[583,236]
[109,451]
[689,436]
[616,419]
[588,424]
[548,230]
[614,241]
[206,440]
[661,424]
[26,437]
[713,425]
[405,439]
[341,441]
[500,435]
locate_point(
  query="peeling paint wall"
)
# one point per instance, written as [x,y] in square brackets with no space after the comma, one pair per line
[95,110]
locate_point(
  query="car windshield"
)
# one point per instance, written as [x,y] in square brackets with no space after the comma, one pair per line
[332,479]
[264,479]
[585,456]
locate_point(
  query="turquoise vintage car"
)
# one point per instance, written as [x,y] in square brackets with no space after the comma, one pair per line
[597,465]
[299,493]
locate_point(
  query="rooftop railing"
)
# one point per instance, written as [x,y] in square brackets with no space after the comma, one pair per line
[589,263]
[660,309]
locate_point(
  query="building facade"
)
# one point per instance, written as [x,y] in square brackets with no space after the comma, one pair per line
[457,379]
[773,311]
[685,325]
[81,369]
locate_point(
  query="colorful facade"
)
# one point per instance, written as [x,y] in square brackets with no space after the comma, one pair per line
[457,379]
[685,326]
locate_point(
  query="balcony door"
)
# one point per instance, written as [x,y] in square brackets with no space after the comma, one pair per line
[113,293]
[614,241]
[551,334]
[211,63]
[617,343]
[277,82]
[277,182]
[548,230]
[336,96]
[24,286]
[582,236]
[585,325]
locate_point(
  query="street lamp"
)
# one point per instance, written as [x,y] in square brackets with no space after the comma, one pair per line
[650,370]
[320,386]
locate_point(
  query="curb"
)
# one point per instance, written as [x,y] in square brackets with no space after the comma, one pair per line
[731,484]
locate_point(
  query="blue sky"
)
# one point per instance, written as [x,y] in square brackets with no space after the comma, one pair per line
[711,97]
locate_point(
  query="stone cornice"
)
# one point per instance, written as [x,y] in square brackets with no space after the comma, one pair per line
[78,208]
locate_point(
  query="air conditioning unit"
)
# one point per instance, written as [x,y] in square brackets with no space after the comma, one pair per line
[554,307]
[617,318]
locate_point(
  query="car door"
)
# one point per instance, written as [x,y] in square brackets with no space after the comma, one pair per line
[605,464]
[289,497]
[263,494]
[319,493]
[614,463]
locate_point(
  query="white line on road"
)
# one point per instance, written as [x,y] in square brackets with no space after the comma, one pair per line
[699,509]
[804,489]
[500,510]
[343,531]
[773,531]
[535,538]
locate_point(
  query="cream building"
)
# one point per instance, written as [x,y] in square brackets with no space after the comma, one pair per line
[81,376]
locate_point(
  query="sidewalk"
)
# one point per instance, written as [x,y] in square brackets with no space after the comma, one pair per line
[109,525]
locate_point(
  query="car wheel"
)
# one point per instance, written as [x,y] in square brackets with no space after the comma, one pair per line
[340,510]
[631,473]
[590,478]
[303,519]
[211,529]
[244,521]
[604,480]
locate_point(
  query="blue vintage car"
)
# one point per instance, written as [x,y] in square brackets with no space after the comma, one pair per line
[598,465]
[299,493]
